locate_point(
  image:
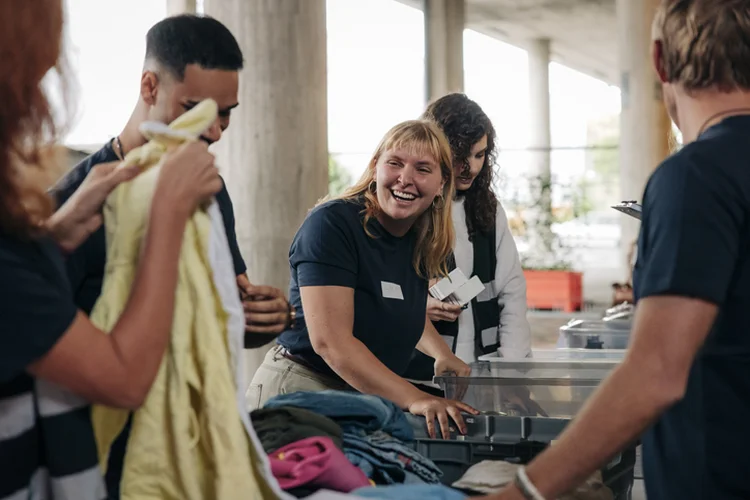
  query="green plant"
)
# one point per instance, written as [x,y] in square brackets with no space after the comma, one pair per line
[546,252]
[338,177]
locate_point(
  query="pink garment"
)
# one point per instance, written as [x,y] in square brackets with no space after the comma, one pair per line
[317,462]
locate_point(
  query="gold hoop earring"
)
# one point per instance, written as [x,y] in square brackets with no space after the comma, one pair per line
[438,205]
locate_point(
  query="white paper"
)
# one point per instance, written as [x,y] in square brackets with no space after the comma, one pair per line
[467,291]
[391,290]
[446,286]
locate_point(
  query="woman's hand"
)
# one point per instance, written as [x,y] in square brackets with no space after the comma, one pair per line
[453,365]
[432,408]
[450,364]
[81,214]
[188,178]
[442,311]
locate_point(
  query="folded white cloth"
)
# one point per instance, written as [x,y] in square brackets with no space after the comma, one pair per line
[490,476]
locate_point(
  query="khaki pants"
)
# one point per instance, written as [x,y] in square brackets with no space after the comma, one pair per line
[279,375]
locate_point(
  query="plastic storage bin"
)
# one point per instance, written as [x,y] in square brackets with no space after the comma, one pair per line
[454,458]
[595,334]
[512,439]
[529,387]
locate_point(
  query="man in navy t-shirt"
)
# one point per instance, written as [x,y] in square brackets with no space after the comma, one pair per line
[188,59]
[686,379]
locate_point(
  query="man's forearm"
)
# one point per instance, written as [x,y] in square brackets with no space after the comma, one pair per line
[624,406]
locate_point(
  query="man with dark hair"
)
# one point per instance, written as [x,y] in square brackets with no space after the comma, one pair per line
[189,58]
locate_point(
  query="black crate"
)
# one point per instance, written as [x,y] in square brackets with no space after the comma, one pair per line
[515,440]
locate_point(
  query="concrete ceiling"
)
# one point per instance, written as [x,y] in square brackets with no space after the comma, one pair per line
[583,33]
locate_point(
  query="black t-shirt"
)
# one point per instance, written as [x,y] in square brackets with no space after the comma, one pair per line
[86,265]
[38,431]
[36,303]
[695,242]
[390,299]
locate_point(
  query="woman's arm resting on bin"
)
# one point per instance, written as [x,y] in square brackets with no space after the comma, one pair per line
[329,315]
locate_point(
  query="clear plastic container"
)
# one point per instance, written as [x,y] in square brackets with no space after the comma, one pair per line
[529,387]
[595,334]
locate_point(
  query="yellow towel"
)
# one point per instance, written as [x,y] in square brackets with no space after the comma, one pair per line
[187,440]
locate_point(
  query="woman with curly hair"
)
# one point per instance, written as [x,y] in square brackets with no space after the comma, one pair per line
[495,321]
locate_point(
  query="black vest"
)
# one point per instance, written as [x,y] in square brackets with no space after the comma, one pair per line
[484,307]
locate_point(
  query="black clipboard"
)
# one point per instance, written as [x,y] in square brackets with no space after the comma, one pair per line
[630,208]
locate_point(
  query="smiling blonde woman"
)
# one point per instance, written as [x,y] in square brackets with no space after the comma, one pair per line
[360,268]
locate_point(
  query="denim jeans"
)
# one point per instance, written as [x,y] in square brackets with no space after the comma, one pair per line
[410,492]
[387,460]
[351,410]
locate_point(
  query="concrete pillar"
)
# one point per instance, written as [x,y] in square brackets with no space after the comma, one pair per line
[175,7]
[540,137]
[274,155]
[539,218]
[444,47]
[645,127]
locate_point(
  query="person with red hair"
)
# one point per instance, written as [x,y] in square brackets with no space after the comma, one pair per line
[53,361]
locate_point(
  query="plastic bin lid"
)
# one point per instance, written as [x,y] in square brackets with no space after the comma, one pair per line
[565,354]
[597,327]
[503,371]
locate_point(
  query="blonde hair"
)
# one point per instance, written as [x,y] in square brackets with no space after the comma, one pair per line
[704,43]
[434,228]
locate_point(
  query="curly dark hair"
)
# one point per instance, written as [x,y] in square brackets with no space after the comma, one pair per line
[464,123]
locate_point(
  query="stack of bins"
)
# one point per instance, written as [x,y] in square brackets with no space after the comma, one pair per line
[524,404]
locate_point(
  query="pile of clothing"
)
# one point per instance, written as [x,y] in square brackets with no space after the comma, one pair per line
[360,437]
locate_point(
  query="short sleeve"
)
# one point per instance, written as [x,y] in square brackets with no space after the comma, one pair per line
[691,231]
[70,182]
[36,310]
[227,214]
[324,249]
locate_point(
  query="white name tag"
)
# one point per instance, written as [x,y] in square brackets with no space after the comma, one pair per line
[391,290]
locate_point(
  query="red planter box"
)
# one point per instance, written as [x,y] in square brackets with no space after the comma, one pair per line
[557,290]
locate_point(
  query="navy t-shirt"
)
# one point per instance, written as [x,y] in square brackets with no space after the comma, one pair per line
[695,242]
[390,299]
[36,310]
[86,264]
